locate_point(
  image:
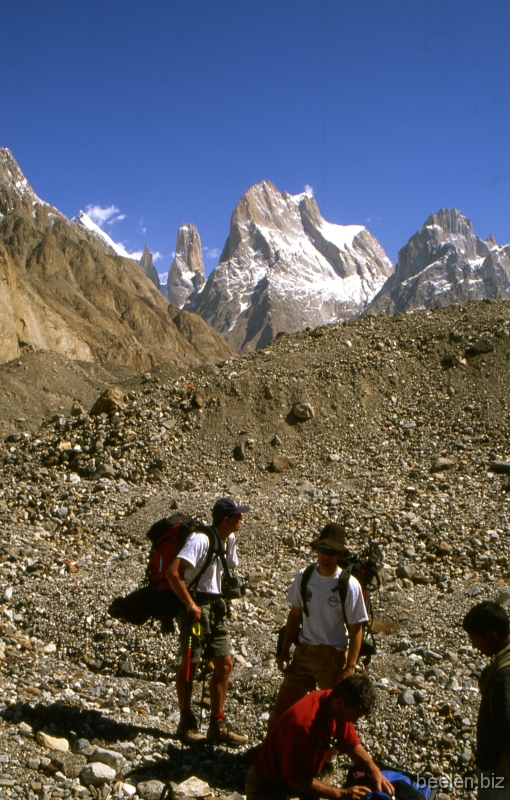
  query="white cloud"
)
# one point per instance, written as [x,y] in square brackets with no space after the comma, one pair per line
[211,252]
[136,254]
[308,189]
[156,256]
[102,214]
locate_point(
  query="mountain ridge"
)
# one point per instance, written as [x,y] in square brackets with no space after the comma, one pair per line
[62,289]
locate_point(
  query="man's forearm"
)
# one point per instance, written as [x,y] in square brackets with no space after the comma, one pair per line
[355,640]
[291,629]
[179,587]
[316,788]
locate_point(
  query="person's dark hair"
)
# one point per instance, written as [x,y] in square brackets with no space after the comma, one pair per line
[485,617]
[356,691]
[218,515]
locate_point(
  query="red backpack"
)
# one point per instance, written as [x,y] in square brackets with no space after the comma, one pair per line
[155,598]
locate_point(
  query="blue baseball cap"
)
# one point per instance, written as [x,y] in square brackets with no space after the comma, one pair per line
[228,508]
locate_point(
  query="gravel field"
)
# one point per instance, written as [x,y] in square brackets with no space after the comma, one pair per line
[401,426]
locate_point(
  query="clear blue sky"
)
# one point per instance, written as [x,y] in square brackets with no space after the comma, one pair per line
[170,110]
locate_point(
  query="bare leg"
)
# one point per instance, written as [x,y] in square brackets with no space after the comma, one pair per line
[287,696]
[222,667]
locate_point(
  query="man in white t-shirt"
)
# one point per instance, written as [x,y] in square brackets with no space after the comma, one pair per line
[204,604]
[329,645]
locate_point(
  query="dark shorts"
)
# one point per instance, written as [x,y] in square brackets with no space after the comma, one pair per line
[258,787]
[214,640]
[314,664]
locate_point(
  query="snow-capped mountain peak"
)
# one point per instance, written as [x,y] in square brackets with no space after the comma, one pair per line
[283,268]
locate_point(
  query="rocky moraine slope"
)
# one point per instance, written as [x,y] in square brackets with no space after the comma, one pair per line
[408,434]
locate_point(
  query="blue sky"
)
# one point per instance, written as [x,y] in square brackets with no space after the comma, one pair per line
[169,111]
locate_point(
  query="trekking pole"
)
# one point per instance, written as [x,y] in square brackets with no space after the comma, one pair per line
[194,634]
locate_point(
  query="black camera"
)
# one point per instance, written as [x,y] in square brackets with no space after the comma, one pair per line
[232,588]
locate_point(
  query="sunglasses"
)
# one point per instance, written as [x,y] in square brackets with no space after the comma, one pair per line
[328,551]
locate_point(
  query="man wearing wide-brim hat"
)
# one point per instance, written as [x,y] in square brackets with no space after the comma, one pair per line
[329,645]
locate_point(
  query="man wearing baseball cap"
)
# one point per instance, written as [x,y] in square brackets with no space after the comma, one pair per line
[207,606]
[329,645]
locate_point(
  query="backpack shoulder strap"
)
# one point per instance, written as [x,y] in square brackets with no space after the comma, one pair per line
[211,551]
[305,578]
[343,586]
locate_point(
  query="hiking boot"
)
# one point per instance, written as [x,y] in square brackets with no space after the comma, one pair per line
[187,730]
[219,732]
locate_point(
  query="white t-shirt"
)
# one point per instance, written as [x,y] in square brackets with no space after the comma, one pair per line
[325,623]
[195,551]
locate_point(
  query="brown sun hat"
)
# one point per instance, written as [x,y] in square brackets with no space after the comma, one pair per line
[332,535]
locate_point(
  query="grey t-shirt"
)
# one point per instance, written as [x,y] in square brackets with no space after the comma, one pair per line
[325,623]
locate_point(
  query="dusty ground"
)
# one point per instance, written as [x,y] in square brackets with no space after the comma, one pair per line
[409,435]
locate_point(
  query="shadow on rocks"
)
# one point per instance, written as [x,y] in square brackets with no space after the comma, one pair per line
[223,769]
[73,723]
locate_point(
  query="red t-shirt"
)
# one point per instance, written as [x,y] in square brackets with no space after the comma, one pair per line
[297,746]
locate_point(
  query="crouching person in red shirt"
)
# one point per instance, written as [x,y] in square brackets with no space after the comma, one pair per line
[295,750]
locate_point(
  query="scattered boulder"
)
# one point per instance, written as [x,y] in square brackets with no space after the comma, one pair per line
[282,464]
[303,411]
[109,402]
[52,742]
[97,774]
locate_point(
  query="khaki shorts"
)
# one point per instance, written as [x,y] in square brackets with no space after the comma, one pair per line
[314,664]
[214,640]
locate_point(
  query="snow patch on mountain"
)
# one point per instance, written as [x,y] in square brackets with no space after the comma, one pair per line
[85,221]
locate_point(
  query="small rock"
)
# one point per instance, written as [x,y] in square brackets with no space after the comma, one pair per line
[111,401]
[443,463]
[501,467]
[152,790]
[110,757]
[282,464]
[239,452]
[82,747]
[479,347]
[24,728]
[406,698]
[192,787]
[97,774]
[402,646]
[303,411]
[70,764]
[404,571]
[52,742]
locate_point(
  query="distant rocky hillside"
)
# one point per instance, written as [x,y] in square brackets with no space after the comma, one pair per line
[445,263]
[63,288]
[284,268]
[186,275]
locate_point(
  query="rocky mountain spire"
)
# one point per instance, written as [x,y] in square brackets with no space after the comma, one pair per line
[186,275]
[283,268]
[147,264]
[444,263]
